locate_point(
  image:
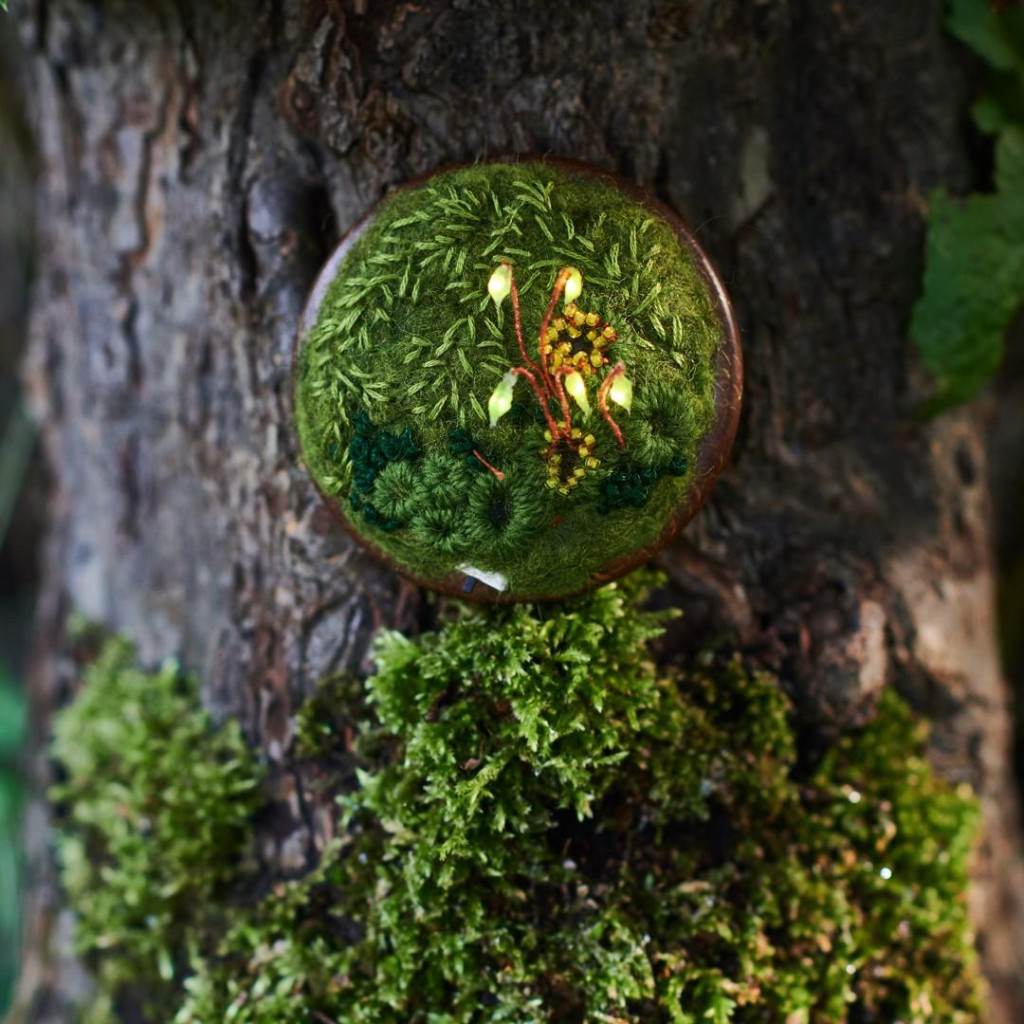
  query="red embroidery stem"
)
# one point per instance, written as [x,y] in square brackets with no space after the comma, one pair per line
[602,401]
[518,320]
[542,398]
[563,276]
[497,472]
[550,384]
[560,372]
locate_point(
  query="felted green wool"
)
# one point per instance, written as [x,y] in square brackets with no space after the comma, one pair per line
[394,378]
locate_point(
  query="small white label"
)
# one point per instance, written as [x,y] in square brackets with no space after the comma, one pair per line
[492,579]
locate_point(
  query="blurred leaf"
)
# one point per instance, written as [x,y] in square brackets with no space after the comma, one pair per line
[10,791]
[973,280]
[13,716]
[996,37]
[974,270]
[12,727]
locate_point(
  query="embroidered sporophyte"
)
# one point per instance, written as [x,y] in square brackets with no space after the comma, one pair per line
[569,459]
[578,340]
[571,350]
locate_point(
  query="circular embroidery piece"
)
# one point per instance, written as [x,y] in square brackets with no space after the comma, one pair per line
[516,380]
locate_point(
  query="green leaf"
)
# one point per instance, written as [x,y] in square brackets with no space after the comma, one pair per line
[972,287]
[995,37]
[974,271]
[1009,176]
[973,279]
[12,715]
[1002,106]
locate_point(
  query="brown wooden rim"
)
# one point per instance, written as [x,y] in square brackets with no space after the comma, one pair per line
[714,449]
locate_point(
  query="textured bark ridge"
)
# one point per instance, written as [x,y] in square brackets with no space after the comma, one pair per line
[198,161]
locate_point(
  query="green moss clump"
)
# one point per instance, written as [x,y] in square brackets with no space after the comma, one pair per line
[393,381]
[157,807]
[549,828]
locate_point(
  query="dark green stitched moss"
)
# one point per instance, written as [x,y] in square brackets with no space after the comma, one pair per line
[464,445]
[408,338]
[373,453]
[630,486]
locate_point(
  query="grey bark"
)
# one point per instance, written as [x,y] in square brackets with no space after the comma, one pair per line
[199,159]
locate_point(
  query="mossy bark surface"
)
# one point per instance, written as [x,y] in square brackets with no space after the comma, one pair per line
[199,160]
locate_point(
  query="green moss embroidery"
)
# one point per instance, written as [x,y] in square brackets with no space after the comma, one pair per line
[409,339]
[546,827]
[379,473]
[158,807]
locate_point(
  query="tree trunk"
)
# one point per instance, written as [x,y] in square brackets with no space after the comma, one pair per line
[199,160]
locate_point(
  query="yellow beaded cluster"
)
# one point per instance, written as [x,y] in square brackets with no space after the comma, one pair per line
[567,466]
[578,339]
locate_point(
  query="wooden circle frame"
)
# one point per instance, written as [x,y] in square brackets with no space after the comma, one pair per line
[714,448]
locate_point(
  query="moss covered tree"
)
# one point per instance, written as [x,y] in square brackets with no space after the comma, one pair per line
[196,163]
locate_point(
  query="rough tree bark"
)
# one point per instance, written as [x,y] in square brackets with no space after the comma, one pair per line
[198,160]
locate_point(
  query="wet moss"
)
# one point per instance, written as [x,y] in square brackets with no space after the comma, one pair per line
[547,826]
